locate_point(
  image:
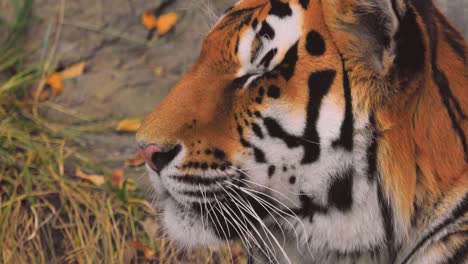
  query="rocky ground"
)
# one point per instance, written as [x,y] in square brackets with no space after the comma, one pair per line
[120,80]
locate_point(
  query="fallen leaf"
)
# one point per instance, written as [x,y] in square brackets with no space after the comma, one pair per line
[158,71]
[137,244]
[117,178]
[129,125]
[44,95]
[73,71]
[166,22]
[94,179]
[149,254]
[135,161]
[149,20]
[55,82]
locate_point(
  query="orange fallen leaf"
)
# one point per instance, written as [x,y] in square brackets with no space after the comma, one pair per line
[44,95]
[129,125]
[55,82]
[149,20]
[166,22]
[94,179]
[135,161]
[137,244]
[117,178]
[158,71]
[73,71]
[149,254]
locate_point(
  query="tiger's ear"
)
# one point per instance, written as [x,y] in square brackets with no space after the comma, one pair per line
[364,32]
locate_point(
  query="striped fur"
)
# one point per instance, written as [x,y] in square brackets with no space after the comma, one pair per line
[321,132]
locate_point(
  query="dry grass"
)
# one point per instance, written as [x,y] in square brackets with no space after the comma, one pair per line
[46,214]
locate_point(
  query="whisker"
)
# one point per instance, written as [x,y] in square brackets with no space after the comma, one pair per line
[227,241]
[252,212]
[203,223]
[290,212]
[259,200]
[266,187]
[250,235]
[276,210]
[238,230]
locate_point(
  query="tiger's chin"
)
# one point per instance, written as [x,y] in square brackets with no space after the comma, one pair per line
[186,228]
[191,222]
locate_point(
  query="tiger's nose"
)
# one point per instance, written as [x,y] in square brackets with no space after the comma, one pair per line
[158,157]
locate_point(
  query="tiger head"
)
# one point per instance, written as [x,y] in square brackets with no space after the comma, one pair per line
[282,114]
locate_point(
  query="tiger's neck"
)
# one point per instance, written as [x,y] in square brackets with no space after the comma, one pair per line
[423,151]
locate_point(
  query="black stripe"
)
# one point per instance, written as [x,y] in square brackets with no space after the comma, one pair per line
[410,48]
[268,58]
[198,180]
[238,83]
[266,31]
[208,194]
[243,141]
[233,17]
[340,194]
[426,10]
[460,256]
[257,130]
[319,85]
[457,45]
[276,131]
[280,9]
[347,127]
[457,213]
[309,208]
[454,38]
[228,9]
[387,220]
[271,170]
[259,155]
[449,101]
[288,65]
[304,3]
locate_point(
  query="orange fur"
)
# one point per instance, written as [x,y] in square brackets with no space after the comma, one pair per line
[420,158]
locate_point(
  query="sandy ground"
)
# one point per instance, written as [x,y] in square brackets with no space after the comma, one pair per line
[119,81]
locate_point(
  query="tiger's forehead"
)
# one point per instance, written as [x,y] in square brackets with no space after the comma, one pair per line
[245,11]
[256,34]
[241,15]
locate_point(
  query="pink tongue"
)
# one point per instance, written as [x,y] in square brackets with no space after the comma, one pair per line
[148,152]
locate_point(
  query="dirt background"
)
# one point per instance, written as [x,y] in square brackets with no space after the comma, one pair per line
[119,81]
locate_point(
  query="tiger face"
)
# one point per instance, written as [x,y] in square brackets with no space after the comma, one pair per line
[266,107]
[274,128]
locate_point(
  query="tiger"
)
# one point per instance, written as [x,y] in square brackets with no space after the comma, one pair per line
[318,131]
